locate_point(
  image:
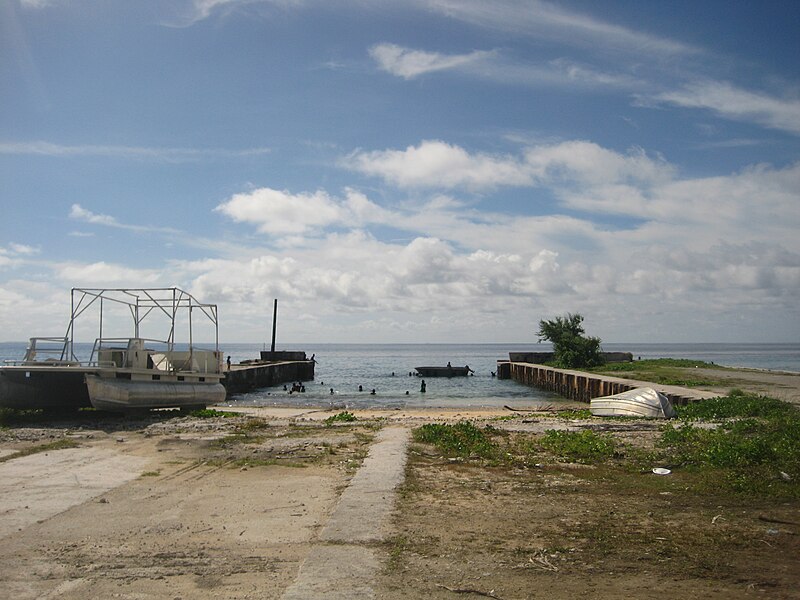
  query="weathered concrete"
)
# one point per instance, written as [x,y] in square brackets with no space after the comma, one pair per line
[583,386]
[247,377]
[344,562]
[38,486]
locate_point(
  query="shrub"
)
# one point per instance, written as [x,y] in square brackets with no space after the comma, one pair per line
[342,417]
[571,348]
[463,439]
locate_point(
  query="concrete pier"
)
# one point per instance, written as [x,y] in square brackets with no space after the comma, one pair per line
[258,374]
[583,386]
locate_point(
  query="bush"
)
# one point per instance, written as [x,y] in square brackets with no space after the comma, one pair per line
[571,349]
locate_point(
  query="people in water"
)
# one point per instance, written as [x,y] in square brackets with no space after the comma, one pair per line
[422,387]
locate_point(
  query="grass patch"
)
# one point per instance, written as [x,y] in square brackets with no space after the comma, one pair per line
[462,440]
[61,444]
[586,447]
[574,413]
[651,363]
[259,462]
[342,417]
[251,425]
[737,404]
[755,450]
[666,371]
[210,413]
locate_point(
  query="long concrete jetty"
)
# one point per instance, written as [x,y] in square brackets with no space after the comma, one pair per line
[583,386]
[250,376]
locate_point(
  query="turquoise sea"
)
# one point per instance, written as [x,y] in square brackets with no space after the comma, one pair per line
[386,367]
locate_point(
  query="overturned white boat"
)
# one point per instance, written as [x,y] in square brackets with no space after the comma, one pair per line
[639,402]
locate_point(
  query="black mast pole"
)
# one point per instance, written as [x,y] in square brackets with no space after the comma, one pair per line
[274,323]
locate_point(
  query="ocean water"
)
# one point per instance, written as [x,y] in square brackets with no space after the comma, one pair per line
[386,367]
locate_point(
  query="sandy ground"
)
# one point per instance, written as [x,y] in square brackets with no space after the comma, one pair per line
[783,385]
[190,523]
[183,508]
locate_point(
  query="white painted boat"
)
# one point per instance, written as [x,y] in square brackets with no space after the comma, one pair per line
[130,394]
[640,402]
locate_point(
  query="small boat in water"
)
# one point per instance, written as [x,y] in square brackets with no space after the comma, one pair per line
[639,402]
[122,374]
[448,371]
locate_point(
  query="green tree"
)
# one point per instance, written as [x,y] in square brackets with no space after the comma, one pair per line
[572,349]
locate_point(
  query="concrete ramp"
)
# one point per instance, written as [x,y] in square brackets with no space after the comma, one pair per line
[343,564]
[38,486]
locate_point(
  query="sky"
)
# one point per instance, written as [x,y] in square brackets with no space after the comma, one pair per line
[406,171]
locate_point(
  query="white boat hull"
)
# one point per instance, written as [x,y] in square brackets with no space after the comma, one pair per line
[639,402]
[127,394]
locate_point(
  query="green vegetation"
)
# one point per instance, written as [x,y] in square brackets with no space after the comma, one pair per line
[342,417]
[586,447]
[571,348]
[743,443]
[666,371]
[574,413]
[462,440]
[755,450]
[61,444]
[210,413]
[738,404]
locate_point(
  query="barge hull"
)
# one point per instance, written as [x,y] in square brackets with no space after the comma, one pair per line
[49,388]
[125,394]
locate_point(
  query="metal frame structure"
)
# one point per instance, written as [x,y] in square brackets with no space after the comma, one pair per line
[141,302]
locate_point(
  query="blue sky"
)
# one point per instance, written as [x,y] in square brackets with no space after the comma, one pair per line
[415,171]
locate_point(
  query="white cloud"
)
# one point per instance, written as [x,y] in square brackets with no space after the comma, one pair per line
[491,65]
[543,20]
[36,4]
[438,164]
[23,249]
[735,103]
[194,11]
[103,274]
[408,63]
[171,155]
[79,213]
[441,165]
[281,213]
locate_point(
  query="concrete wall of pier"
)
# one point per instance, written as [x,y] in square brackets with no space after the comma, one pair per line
[248,377]
[583,386]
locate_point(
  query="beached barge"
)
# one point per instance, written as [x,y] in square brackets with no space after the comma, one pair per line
[583,386]
[121,373]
